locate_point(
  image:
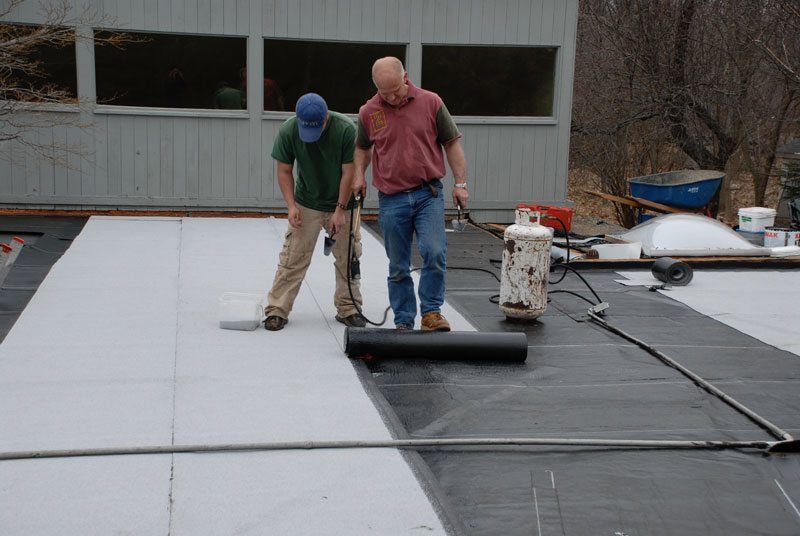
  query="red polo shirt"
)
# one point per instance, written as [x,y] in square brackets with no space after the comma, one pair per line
[407,140]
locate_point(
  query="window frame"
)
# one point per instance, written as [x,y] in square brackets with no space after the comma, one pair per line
[161,111]
[115,109]
[552,119]
[413,56]
[286,114]
[55,107]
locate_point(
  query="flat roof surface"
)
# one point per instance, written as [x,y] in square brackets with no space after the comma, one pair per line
[120,347]
[581,381]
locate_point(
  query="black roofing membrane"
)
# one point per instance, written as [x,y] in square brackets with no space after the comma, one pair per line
[581,381]
[612,492]
[46,239]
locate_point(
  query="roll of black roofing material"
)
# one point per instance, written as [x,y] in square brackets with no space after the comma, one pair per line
[672,271]
[453,345]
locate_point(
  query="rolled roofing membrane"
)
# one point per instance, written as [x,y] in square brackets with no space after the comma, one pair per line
[120,346]
[690,235]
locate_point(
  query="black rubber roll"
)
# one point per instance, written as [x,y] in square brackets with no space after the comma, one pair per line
[672,271]
[453,345]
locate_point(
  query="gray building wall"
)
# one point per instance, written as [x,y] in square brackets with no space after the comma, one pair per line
[214,159]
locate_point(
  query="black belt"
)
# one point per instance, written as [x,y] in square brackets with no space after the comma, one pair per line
[425,184]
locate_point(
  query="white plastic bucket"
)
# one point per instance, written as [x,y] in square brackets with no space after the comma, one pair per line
[778,237]
[240,311]
[632,250]
[756,219]
[793,238]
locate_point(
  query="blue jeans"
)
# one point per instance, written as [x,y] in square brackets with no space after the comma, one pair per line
[401,216]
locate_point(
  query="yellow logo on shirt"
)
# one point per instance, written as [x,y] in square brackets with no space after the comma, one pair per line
[378,120]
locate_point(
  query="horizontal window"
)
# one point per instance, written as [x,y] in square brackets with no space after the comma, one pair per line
[38,63]
[172,71]
[491,81]
[340,72]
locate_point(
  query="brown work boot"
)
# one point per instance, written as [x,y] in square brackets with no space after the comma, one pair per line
[434,321]
[355,320]
[274,323]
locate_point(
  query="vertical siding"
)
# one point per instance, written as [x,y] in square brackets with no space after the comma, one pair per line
[229,160]
[270,184]
[5,169]
[18,168]
[128,152]
[47,168]
[189,17]
[179,158]
[113,150]
[60,179]
[165,187]
[255,48]
[75,162]
[101,156]
[228,17]
[268,17]
[193,159]
[204,16]
[242,160]
[204,158]
[215,161]
[567,72]
[178,15]
[145,136]
[32,168]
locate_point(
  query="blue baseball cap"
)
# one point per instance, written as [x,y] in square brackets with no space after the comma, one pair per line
[311,111]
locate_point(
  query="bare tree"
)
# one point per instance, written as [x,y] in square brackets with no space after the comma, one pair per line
[610,138]
[25,88]
[688,74]
[776,41]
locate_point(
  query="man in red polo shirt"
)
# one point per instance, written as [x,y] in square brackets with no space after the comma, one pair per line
[401,132]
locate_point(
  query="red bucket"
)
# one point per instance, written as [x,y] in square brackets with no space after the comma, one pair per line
[552,215]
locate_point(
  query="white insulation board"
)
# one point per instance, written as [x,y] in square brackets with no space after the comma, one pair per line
[120,347]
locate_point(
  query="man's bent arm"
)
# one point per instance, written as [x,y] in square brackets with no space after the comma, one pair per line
[362,159]
[458,165]
[457,160]
[346,184]
[345,191]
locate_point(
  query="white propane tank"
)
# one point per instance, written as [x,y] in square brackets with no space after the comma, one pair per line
[526,267]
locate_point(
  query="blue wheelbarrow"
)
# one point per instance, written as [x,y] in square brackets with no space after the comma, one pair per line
[689,188]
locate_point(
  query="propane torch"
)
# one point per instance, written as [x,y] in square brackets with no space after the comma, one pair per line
[355,223]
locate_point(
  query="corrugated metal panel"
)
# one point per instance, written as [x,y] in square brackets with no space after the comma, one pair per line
[151,160]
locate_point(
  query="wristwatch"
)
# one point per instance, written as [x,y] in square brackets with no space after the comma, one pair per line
[460,185]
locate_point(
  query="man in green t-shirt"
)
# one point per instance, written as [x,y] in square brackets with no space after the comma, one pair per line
[322,143]
[228,98]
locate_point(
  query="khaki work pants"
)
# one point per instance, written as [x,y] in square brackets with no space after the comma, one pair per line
[295,258]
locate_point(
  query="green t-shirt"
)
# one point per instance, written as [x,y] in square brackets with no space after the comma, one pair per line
[228,98]
[319,164]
